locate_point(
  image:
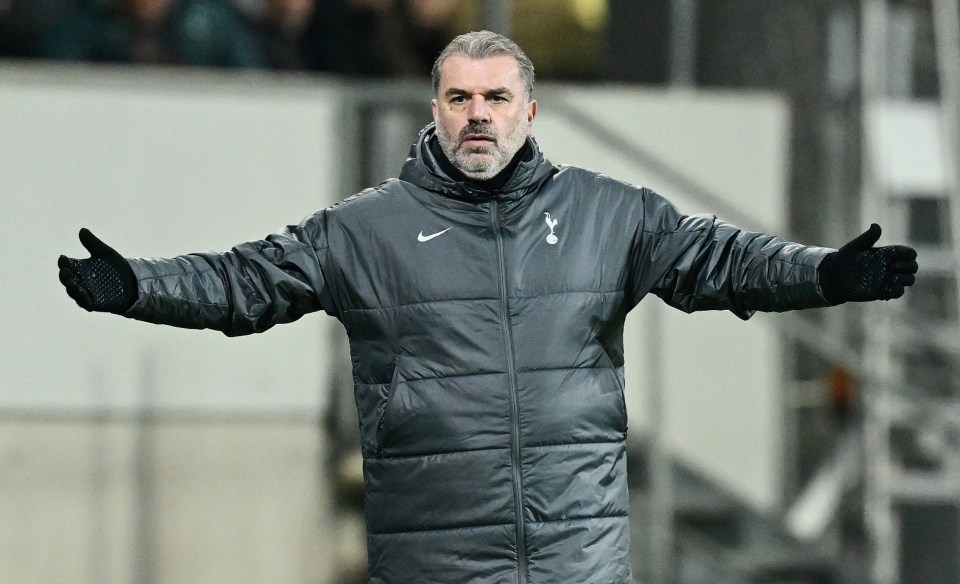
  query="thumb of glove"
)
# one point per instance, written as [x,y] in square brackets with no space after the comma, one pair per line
[96,247]
[864,241]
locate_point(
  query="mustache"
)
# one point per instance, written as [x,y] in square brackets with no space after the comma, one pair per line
[477,128]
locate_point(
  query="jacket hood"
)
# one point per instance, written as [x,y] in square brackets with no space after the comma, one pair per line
[424,170]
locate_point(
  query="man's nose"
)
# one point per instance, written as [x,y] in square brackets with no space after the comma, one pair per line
[479,110]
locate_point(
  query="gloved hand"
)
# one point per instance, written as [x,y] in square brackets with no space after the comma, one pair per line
[104,283]
[859,272]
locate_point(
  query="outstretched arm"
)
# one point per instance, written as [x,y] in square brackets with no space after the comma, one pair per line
[245,290]
[699,263]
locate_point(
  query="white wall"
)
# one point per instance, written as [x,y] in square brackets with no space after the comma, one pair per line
[155,166]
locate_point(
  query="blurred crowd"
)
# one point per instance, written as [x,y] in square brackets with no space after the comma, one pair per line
[375,38]
[355,37]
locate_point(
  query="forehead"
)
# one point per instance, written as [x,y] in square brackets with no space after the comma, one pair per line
[477,75]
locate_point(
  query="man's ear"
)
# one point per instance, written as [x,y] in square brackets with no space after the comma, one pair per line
[433,108]
[531,110]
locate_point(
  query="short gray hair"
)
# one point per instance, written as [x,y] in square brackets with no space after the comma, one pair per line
[481,45]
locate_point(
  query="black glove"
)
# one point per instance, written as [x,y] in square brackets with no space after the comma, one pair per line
[859,272]
[103,283]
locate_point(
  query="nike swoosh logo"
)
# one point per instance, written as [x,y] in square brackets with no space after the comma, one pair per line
[421,238]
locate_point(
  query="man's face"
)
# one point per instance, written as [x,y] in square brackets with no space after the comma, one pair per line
[482,114]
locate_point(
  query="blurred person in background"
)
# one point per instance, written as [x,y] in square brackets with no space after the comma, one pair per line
[377,38]
[484,294]
[282,30]
[429,23]
[25,24]
[565,38]
[203,33]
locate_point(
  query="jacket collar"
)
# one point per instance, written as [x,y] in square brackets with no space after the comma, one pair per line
[423,169]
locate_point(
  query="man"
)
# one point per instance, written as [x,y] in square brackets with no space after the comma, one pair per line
[484,294]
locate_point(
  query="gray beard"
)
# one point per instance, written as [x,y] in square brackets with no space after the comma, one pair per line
[497,155]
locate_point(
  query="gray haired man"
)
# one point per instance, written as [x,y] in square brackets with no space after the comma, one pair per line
[484,293]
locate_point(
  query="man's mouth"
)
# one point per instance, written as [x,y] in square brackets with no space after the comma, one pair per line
[478,139]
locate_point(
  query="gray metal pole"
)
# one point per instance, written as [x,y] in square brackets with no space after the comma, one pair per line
[946,18]
[145,485]
[661,467]
[683,42]
[497,16]
[882,529]
[99,481]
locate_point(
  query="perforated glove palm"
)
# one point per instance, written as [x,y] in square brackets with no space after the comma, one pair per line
[859,272]
[102,283]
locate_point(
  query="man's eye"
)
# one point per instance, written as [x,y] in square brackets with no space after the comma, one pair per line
[457,99]
[498,99]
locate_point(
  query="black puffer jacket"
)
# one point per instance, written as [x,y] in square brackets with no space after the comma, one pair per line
[486,339]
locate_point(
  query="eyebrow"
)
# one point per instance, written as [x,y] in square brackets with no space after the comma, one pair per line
[502,91]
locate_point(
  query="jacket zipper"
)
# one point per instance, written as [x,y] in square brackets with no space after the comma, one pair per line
[514,399]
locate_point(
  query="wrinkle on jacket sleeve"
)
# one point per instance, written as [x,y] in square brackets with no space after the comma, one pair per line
[697,262]
[246,290]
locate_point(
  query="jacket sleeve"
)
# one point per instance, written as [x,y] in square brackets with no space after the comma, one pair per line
[245,290]
[697,262]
